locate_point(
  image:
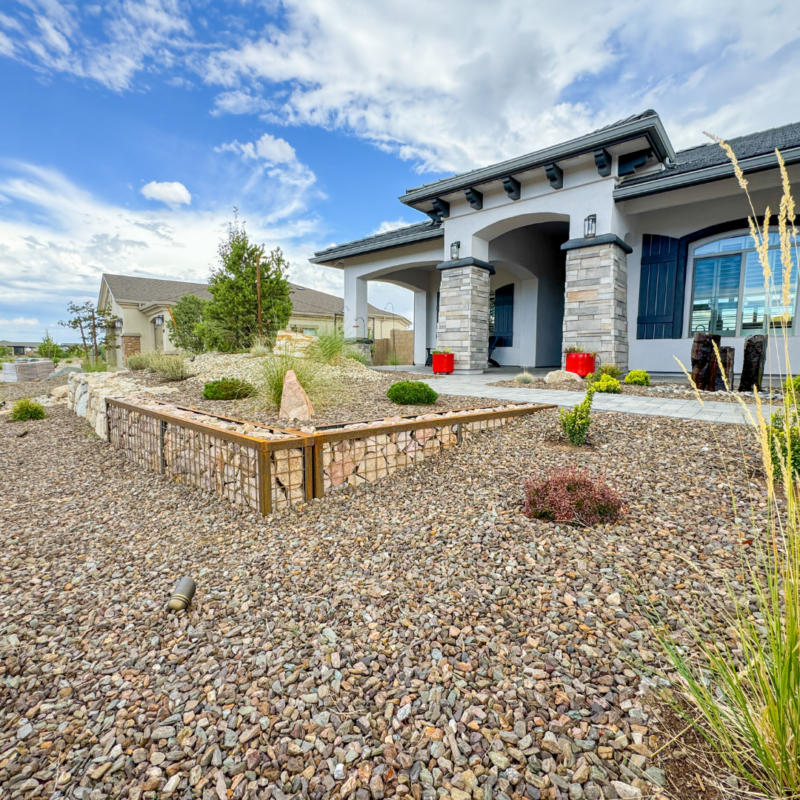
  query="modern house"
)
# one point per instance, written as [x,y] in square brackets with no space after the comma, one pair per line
[612,242]
[20,348]
[142,305]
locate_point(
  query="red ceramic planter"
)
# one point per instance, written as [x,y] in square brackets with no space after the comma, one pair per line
[443,363]
[580,363]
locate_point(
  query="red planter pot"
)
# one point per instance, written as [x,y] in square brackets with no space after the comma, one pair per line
[443,363]
[580,363]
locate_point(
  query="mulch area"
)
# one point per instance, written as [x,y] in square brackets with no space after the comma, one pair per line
[418,636]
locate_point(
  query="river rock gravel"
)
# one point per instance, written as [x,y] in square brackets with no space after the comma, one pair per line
[417,637]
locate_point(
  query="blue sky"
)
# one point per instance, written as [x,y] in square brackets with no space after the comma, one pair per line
[130,129]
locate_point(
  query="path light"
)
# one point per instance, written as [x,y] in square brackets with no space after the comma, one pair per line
[590,226]
[183,594]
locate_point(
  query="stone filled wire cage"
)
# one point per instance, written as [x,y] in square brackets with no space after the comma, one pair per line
[269,469]
[234,459]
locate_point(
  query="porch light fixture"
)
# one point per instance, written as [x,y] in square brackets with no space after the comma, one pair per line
[454,248]
[590,227]
[118,324]
[159,320]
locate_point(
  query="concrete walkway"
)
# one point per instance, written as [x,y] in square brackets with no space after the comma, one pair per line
[685,408]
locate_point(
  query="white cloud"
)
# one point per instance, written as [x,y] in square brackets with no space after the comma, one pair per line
[56,240]
[172,193]
[238,102]
[392,225]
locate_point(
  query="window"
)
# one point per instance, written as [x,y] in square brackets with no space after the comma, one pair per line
[729,294]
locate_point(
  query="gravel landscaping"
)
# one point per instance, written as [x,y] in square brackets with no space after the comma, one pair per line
[417,637]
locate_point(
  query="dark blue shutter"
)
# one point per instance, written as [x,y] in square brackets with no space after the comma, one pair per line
[661,289]
[504,315]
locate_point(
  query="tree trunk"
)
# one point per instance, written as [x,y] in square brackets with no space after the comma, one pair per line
[258,295]
[704,361]
[725,369]
[755,356]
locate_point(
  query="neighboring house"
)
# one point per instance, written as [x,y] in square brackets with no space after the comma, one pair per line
[20,348]
[143,305]
[612,241]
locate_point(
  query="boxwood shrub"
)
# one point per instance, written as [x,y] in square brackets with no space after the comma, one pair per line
[637,377]
[228,389]
[607,385]
[412,393]
[25,409]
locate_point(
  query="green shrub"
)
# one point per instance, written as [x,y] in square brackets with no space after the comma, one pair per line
[169,367]
[576,422]
[412,393]
[637,377]
[27,409]
[607,385]
[356,355]
[573,348]
[784,447]
[393,360]
[90,365]
[328,345]
[275,369]
[612,370]
[792,387]
[524,378]
[139,361]
[228,389]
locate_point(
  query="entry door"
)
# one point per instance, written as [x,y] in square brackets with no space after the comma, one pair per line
[158,337]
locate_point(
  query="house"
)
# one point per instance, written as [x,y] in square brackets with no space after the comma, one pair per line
[142,305]
[612,242]
[20,348]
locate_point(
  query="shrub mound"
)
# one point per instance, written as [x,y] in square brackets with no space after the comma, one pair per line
[637,377]
[792,386]
[524,378]
[412,393]
[138,361]
[576,422]
[228,389]
[784,445]
[607,385]
[170,368]
[25,409]
[571,495]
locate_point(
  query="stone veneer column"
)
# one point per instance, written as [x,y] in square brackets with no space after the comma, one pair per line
[464,313]
[596,298]
[131,343]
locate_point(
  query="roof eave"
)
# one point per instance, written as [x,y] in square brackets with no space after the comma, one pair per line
[333,259]
[697,177]
[650,127]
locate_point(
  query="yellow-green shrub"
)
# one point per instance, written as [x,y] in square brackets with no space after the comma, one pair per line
[637,377]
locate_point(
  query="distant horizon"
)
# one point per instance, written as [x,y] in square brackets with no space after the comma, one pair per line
[131,131]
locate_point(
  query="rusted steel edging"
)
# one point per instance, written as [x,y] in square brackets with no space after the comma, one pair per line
[324,437]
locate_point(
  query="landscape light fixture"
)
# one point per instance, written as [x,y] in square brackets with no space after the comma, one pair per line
[183,594]
[590,226]
[454,248]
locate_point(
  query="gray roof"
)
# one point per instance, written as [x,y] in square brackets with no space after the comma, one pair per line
[153,290]
[647,124]
[399,237]
[708,162]
[6,343]
[127,289]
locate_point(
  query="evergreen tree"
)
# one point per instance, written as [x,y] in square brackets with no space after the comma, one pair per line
[231,319]
[185,326]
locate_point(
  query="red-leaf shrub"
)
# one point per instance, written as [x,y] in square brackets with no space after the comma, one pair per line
[572,495]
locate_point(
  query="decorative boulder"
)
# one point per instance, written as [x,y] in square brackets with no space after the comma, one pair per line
[755,356]
[704,361]
[294,400]
[561,377]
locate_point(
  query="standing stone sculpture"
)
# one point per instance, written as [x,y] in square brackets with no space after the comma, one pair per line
[725,369]
[704,361]
[755,356]
[294,400]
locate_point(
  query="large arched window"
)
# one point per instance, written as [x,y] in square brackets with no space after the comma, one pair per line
[729,295]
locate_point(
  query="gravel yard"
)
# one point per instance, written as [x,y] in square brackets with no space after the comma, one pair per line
[414,637]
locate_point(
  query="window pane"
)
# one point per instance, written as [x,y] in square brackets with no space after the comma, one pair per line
[728,294]
[735,243]
[777,306]
[711,247]
[703,294]
[754,304]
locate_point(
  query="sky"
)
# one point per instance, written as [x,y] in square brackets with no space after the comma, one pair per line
[130,129]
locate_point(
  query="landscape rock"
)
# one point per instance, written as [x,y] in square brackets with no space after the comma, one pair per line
[295,404]
[559,377]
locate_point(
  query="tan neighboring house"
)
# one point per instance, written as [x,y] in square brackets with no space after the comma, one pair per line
[143,304]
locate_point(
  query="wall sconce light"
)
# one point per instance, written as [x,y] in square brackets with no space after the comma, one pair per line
[454,248]
[118,324]
[159,320]
[590,226]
